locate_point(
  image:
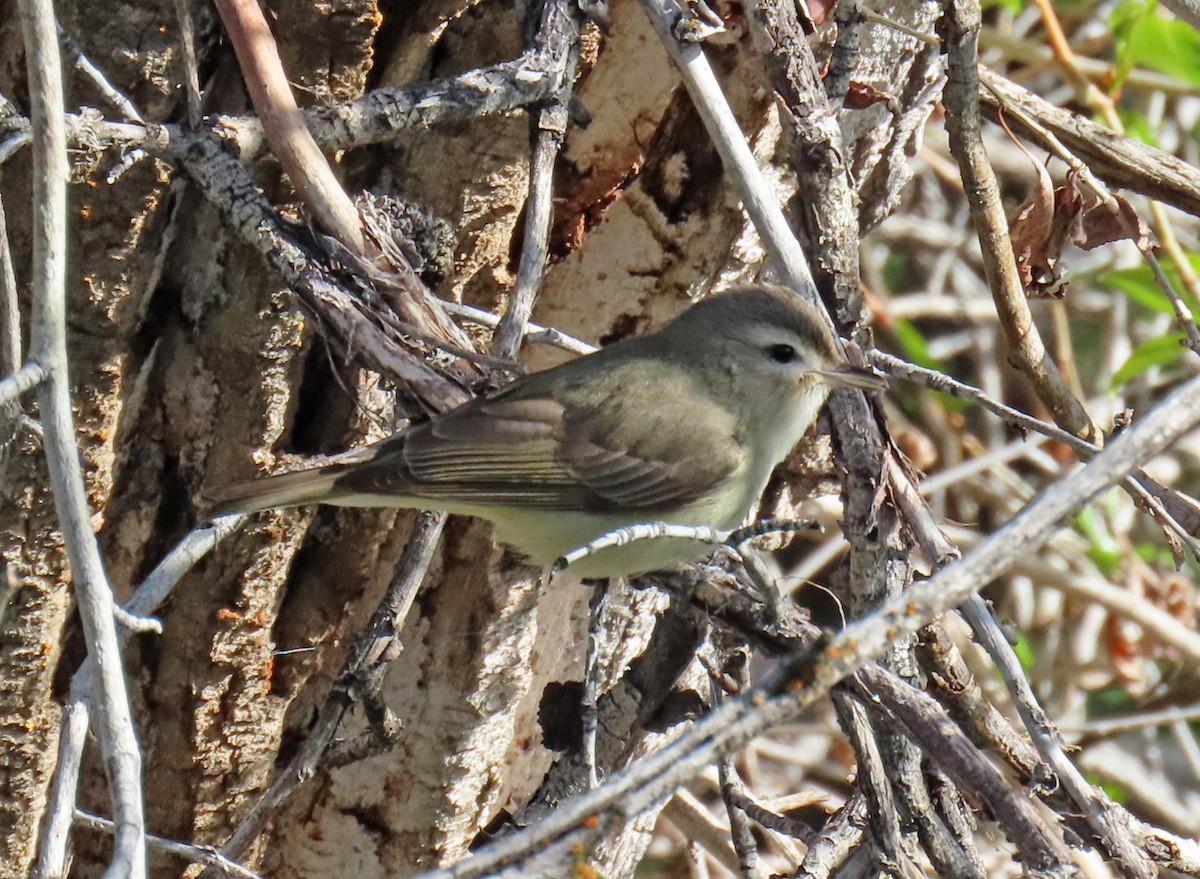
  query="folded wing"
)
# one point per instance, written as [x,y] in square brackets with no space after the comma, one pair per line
[615,446]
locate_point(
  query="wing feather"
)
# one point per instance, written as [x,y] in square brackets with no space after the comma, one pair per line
[606,447]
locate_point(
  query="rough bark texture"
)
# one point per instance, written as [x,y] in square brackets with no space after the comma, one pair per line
[194,367]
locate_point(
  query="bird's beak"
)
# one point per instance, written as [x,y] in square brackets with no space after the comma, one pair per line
[847,376]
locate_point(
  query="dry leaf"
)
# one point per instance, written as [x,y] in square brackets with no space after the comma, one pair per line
[1043,224]
[860,95]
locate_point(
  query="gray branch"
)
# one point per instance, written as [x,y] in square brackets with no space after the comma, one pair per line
[118,740]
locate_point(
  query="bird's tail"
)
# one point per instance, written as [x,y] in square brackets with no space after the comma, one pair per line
[284,490]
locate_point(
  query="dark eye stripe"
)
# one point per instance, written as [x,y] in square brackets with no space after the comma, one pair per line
[782,353]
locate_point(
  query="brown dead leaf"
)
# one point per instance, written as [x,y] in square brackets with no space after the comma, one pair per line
[860,95]
[1048,218]
[1097,225]
[1038,233]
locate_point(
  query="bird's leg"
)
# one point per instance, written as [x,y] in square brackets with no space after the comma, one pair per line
[589,701]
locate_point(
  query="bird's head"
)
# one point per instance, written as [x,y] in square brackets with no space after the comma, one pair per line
[763,345]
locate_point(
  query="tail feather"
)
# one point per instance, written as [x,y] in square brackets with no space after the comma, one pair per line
[284,490]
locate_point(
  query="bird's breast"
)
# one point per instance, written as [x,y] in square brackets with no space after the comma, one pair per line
[778,434]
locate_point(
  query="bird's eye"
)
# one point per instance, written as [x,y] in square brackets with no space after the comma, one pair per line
[782,353]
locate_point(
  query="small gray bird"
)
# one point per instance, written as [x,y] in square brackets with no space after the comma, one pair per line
[683,425]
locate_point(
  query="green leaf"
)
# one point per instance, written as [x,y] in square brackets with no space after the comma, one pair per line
[1145,38]
[1116,792]
[1156,352]
[897,271]
[1109,702]
[916,349]
[1024,653]
[1104,550]
[914,344]
[1138,126]
[1139,285]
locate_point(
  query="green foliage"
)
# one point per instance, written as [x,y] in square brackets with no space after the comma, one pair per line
[1145,38]
[1140,285]
[1116,792]
[899,273]
[1162,351]
[1138,126]
[1109,702]
[916,349]
[914,344]
[1013,6]
[1024,654]
[1104,550]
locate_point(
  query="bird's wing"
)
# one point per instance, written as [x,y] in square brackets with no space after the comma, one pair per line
[614,446]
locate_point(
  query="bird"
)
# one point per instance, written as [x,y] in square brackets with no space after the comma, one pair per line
[683,425]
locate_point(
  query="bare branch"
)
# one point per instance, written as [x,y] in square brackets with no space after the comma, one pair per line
[1145,491]
[227,185]
[118,740]
[306,166]
[195,854]
[1117,160]
[560,29]
[154,590]
[740,164]
[84,65]
[24,379]
[1000,265]
[1099,811]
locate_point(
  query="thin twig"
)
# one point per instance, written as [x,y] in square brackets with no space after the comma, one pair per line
[271,93]
[377,117]
[228,186]
[146,599]
[737,665]
[1000,266]
[762,207]
[196,854]
[114,721]
[828,212]
[10,342]
[10,313]
[1120,161]
[923,719]
[695,822]
[191,71]
[533,332]
[589,700]
[840,842]
[1183,312]
[1099,811]
[550,129]
[24,379]
[1100,729]
[84,65]
[886,838]
[1019,48]
[1138,484]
